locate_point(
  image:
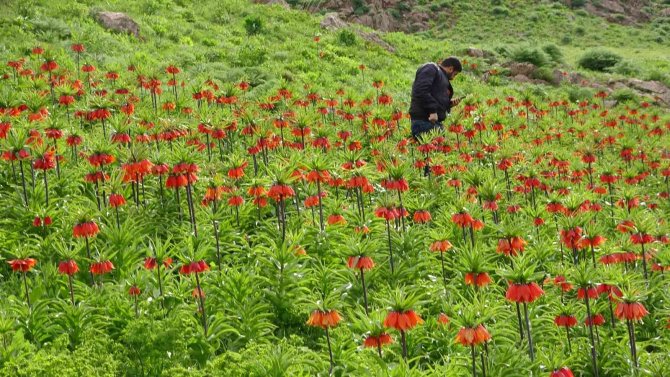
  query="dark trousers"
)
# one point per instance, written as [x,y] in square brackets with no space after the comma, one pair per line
[420,126]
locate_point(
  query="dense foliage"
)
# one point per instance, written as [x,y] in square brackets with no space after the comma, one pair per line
[166,211]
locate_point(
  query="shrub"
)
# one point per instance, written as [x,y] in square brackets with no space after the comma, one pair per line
[577,3]
[624,95]
[580,31]
[599,60]
[544,74]
[566,40]
[554,52]
[360,8]
[253,25]
[251,56]
[347,37]
[500,11]
[576,94]
[530,55]
[625,68]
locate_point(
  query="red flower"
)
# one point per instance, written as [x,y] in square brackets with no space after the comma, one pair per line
[565,320]
[280,191]
[324,319]
[641,238]
[101,268]
[134,291]
[511,246]
[524,292]
[592,292]
[402,321]
[422,217]
[194,267]
[443,319]
[480,279]
[361,263]
[440,246]
[85,229]
[377,341]
[336,219]
[632,311]
[150,263]
[78,48]
[68,267]
[463,220]
[22,265]
[563,372]
[597,320]
[116,200]
[472,336]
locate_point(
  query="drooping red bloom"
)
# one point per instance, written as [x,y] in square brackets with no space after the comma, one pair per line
[524,292]
[511,246]
[377,341]
[281,191]
[150,263]
[472,336]
[134,290]
[194,267]
[596,320]
[480,279]
[361,262]
[402,321]
[422,217]
[324,319]
[565,320]
[462,220]
[563,372]
[116,200]
[440,246]
[641,238]
[591,292]
[68,267]
[22,265]
[572,238]
[336,219]
[612,291]
[443,319]
[101,268]
[632,311]
[85,229]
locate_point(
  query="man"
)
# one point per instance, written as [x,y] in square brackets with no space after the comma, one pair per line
[432,95]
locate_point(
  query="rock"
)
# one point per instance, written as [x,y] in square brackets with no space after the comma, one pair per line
[118,21]
[521,78]
[522,69]
[654,87]
[281,3]
[375,38]
[664,13]
[610,103]
[475,52]
[332,21]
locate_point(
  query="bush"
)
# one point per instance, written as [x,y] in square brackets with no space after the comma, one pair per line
[360,8]
[530,55]
[576,94]
[500,11]
[624,95]
[544,74]
[347,37]
[554,52]
[577,3]
[253,25]
[625,68]
[599,60]
[566,40]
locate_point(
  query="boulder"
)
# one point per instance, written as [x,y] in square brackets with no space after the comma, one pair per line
[376,39]
[332,21]
[475,52]
[522,79]
[523,69]
[119,22]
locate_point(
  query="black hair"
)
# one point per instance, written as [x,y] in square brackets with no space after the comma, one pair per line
[452,62]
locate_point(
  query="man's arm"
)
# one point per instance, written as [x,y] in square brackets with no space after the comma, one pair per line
[421,88]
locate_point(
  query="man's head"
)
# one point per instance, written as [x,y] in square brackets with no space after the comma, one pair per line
[452,66]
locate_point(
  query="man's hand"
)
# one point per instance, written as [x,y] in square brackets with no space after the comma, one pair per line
[455,101]
[432,118]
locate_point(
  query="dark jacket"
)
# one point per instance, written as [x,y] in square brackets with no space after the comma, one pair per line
[431,93]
